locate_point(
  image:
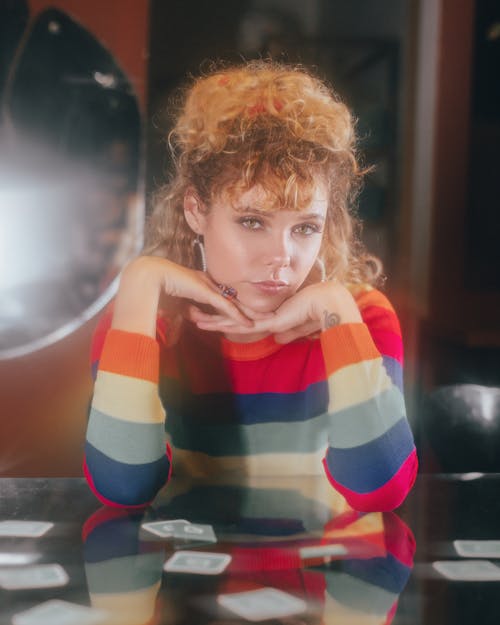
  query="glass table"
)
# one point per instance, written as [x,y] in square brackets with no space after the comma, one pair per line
[270,551]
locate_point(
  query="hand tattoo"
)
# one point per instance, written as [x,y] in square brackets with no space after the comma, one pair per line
[330,319]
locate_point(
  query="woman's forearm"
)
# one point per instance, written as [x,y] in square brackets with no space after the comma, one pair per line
[136,303]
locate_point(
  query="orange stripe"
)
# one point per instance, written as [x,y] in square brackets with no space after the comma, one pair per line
[347,344]
[131,354]
[373,298]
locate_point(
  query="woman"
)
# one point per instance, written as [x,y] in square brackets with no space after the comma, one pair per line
[248,339]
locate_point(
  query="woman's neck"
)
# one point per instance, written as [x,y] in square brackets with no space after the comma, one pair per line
[246,338]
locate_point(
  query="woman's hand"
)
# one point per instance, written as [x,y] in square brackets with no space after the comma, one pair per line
[316,307]
[146,278]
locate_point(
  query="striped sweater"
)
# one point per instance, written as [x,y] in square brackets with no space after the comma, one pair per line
[209,406]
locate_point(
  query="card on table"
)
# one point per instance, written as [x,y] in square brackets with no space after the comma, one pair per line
[198,562]
[165,529]
[468,570]
[477,548]
[322,551]
[262,604]
[57,612]
[24,529]
[194,531]
[35,576]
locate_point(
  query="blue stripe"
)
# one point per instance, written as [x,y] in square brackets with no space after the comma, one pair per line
[394,371]
[113,539]
[126,484]
[246,409]
[388,573]
[367,467]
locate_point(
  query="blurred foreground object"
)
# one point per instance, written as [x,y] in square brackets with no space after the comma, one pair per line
[461,429]
[71,208]
[71,211]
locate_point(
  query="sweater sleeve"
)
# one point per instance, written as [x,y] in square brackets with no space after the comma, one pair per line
[127,459]
[371,458]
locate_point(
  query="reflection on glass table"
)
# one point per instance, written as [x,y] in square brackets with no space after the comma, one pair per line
[315,559]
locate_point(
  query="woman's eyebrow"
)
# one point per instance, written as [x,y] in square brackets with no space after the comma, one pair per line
[268,213]
[250,209]
[319,216]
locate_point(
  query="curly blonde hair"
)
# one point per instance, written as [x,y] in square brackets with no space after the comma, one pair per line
[268,124]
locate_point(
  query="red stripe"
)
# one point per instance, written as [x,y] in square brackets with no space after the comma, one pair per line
[399,539]
[290,370]
[388,344]
[391,614]
[103,515]
[389,496]
[377,317]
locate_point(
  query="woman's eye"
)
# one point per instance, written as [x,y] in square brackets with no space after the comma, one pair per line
[307,229]
[251,223]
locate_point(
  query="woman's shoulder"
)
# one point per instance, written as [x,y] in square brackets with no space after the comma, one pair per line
[367,296]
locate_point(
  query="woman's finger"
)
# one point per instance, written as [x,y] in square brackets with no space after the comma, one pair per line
[196,315]
[224,306]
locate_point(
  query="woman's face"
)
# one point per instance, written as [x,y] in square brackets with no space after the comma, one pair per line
[265,256]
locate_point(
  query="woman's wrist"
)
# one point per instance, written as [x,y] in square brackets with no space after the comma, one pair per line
[136,303]
[335,306]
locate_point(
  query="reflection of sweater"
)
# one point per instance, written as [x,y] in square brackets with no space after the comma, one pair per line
[256,408]
[361,584]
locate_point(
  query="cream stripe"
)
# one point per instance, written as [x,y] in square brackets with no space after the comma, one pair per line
[357,383]
[198,464]
[127,398]
[128,607]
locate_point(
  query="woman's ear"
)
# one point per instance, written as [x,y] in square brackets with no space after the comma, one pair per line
[193,212]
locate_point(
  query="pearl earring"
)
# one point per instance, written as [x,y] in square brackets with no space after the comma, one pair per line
[199,252]
[321,266]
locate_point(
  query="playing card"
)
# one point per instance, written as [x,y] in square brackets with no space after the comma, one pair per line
[262,604]
[322,551]
[197,562]
[165,529]
[477,548]
[24,528]
[468,570]
[35,576]
[56,612]
[193,531]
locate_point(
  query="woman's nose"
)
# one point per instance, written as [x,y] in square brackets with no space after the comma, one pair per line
[279,253]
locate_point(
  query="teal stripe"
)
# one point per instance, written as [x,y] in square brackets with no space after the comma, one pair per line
[359,594]
[243,440]
[260,503]
[124,441]
[125,574]
[353,426]
[367,421]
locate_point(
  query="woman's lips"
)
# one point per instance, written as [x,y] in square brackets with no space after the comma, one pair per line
[271,287]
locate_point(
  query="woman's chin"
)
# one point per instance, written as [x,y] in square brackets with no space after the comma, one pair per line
[263,304]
